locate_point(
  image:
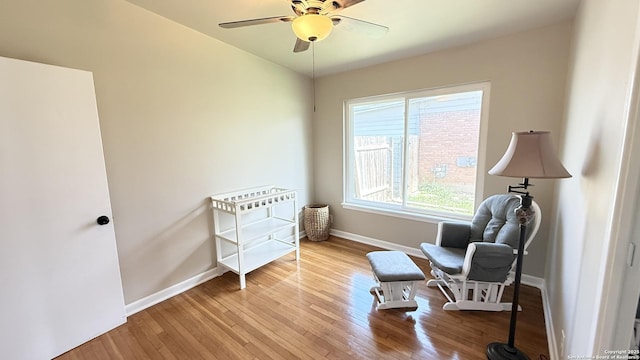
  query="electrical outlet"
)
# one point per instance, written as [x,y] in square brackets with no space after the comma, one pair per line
[563,340]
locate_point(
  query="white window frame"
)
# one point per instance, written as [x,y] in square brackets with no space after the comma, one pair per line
[349,200]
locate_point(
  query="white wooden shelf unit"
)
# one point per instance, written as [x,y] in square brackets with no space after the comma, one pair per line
[254,227]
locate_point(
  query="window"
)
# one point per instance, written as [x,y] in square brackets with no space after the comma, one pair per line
[416,153]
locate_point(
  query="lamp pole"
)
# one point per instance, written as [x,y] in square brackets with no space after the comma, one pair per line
[524,213]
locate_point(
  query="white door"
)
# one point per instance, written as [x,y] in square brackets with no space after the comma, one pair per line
[621,303]
[628,299]
[60,281]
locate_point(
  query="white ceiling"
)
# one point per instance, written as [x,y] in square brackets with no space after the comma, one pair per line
[415,27]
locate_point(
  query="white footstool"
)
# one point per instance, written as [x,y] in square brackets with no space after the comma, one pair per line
[397,277]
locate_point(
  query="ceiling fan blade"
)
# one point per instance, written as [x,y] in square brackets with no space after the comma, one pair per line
[241,23]
[343,4]
[301,45]
[359,26]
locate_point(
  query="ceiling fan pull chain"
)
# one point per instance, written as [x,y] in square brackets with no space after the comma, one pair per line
[313,73]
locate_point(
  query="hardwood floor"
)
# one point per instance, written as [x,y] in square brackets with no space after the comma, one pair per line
[319,308]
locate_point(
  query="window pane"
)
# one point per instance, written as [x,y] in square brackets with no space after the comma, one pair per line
[443,151]
[378,136]
[416,153]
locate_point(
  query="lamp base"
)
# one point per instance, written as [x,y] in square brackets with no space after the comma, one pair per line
[500,351]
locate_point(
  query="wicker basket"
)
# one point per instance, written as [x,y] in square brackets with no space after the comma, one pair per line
[316,222]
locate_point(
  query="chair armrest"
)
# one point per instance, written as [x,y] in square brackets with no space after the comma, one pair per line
[452,234]
[488,262]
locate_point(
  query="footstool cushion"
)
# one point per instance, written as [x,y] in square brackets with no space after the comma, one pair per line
[394,266]
[397,277]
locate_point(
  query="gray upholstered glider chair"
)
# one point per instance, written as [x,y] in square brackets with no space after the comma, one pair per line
[473,262]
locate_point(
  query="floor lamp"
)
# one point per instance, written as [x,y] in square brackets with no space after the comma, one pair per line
[529,155]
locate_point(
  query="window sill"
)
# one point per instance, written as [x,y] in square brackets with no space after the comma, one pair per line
[429,218]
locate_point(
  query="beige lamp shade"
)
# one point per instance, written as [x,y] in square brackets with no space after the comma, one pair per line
[312,27]
[530,155]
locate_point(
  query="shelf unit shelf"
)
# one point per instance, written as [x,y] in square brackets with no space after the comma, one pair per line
[257,256]
[263,227]
[255,230]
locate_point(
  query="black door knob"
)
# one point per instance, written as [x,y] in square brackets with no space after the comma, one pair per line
[102,220]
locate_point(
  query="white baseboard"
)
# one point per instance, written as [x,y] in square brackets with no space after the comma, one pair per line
[378,243]
[529,280]
[548,323]
[171,291]
[176,289]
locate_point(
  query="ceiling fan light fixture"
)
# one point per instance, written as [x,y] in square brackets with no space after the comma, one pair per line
[312,27]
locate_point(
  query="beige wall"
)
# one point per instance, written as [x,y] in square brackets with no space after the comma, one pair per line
[527,73]
[183,116]
[580,252]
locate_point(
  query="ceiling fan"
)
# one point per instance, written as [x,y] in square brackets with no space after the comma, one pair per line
[314,20]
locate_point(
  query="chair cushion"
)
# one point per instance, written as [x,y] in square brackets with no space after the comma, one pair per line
[491,262]
[392,266]
[495,221]
[449,260]
[453,234]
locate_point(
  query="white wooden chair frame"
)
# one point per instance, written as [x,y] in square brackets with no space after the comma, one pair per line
[464,294]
